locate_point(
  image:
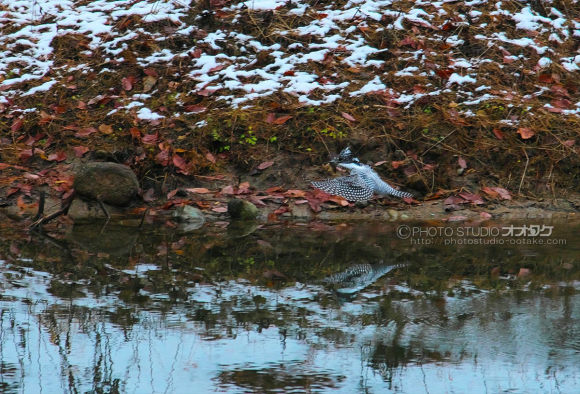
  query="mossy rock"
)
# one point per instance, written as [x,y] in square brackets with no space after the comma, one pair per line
[242,209]
[111,183]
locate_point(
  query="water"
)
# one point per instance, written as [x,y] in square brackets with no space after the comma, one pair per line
[250,308]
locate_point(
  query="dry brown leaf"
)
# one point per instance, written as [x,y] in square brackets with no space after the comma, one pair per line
[265,165]
[526,133]
[106,129]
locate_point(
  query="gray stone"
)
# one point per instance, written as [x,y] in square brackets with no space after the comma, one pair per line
[242,209]
[187,213]
[112,183]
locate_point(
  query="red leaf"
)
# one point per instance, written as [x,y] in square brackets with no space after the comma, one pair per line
[282,209]
[201,190]
[314,206]
[128,83]
[210,157]
[228,190]
[196,109]
[503,193]
[274,189]
[80,150]
[150,72]
[135,133]
[462,162]
[59,156]
[489,191]
[445,74]
[26,154]
[86,132]
[172,194]
[150,139]
[498,134]
[484,215]
[397,164]
[348,116]
[149,196]
[179,162]
[526,133]
[163,157]
[265,165]
[17,124]
[295,193]
[220,209]
[270,118]
[380,162]
[81,105]
[569,142]
[282,119]
[546,78]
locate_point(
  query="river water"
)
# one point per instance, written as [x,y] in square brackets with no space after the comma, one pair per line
[292,308]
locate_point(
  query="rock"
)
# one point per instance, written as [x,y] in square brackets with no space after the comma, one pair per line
[187,213]
[361,204]
[112,183]
[242,209]
[241,228]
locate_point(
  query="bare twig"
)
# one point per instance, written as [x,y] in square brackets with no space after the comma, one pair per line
[524,174]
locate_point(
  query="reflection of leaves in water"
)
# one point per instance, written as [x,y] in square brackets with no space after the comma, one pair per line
[278,378]
[9,379]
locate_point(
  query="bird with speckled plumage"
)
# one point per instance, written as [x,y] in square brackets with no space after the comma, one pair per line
[362,183]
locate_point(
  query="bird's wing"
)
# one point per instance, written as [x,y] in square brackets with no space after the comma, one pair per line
[351,187]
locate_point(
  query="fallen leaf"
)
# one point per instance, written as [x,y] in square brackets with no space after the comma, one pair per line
[526,133]
[200,190]
[270,118]
[282,119]
[106,129]
[265,165]
[172,194]
[282,209]
[348,117]
[150,72]
[220,209]
[228,190]
[127,83]
[462,162]
[503,193]
[148,83]
[295,193]
[498,134]
[17,124]
[484,215]
[135,133]
[524,272]
[80,150]
[180,163]
[149,196]
[264,243]
[210,157]
[196,109]
[273,274]
[59,156]
[86,132]
[397,164]
[380,163]
[149,139]
[489,191]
